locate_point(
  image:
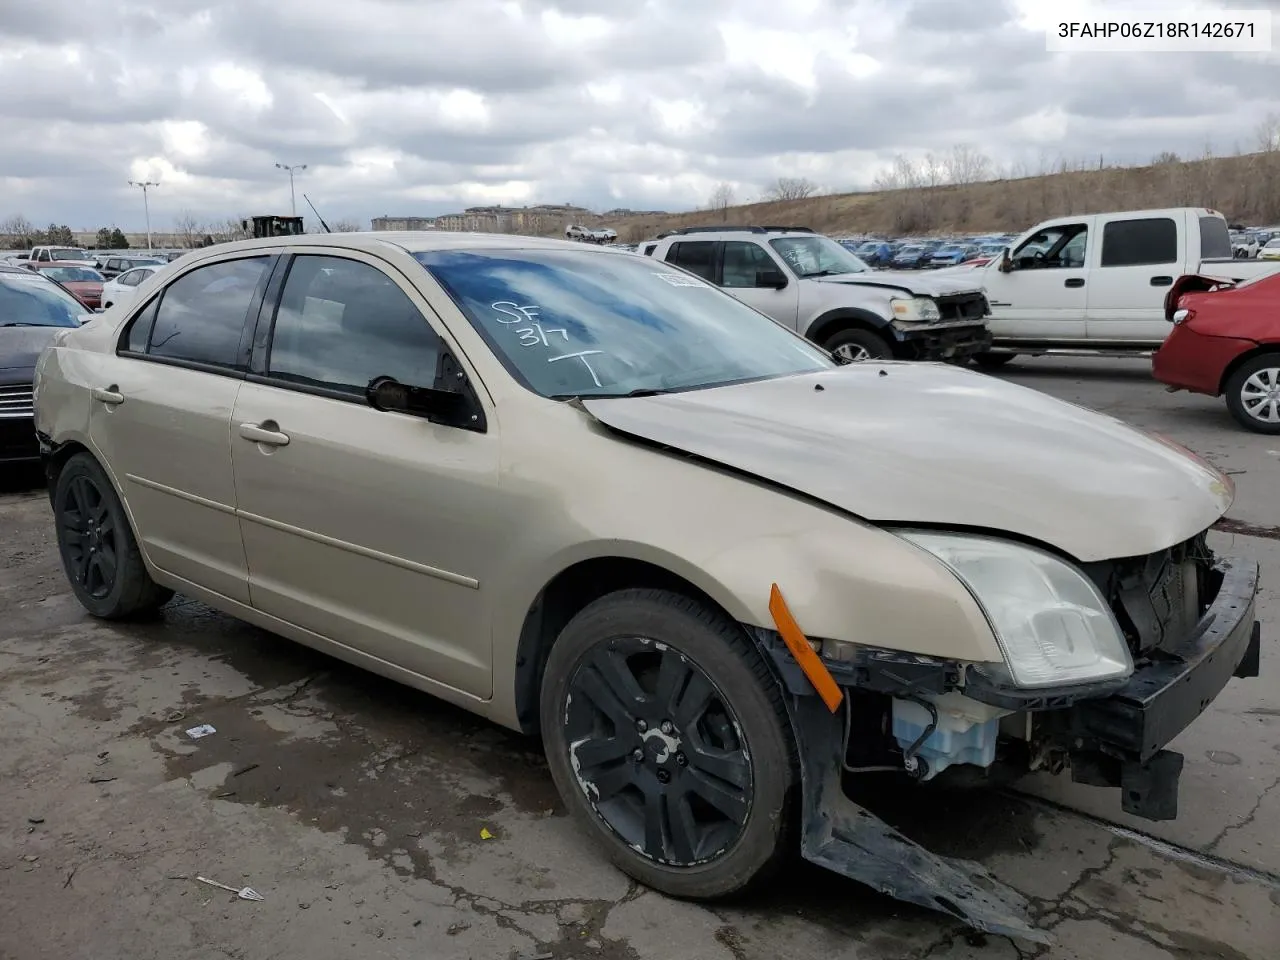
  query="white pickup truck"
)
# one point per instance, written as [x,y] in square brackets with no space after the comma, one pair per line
[63,256]
[1096,283]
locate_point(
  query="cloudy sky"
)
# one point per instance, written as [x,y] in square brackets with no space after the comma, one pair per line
[425,106]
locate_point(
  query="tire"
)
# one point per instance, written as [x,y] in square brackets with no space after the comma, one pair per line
[993,361]
[99,551]
[608,776]
[1254,380]
[857,344]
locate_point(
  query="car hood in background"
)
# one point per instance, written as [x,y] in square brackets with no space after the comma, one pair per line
[922,284]
[904,443]
[20,348]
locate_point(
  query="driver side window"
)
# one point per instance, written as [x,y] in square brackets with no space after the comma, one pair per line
[742,261]
[1058,247]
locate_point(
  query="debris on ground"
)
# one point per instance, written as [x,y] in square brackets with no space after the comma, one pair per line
[35,819]
[457,928]
[174,716]
[195,733]
[101,779]
[244,893]
[245,769]
[485,834]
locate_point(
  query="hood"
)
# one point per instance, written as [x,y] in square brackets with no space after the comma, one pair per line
[925,284]
[20,348]
[923,443]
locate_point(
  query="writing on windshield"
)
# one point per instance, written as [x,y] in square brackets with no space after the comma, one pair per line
[595,323]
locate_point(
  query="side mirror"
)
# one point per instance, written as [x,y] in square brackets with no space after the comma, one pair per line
[1006,264]
[452,408]
[771,278]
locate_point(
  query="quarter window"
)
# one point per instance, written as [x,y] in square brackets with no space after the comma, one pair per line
[742,261]
[342,324]
[140,328]
[1136,243]
[696,256]
[202,314]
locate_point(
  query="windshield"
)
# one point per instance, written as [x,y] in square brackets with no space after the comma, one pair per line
[73,274]
[817,256]
[69,253]
[578,323]
[35,302]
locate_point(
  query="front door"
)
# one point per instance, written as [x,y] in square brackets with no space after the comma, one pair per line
[741,262]
[360,525]
[1044,296]
[1138,264]
[162,405]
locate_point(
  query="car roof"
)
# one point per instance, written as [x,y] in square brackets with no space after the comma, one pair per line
[411,241]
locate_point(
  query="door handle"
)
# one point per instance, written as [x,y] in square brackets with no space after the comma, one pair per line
[110,396]
[1161,281]
[264,433]
[1074,282]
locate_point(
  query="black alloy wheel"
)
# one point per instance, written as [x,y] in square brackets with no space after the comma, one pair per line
[87,534]
[99,551]
[658,751]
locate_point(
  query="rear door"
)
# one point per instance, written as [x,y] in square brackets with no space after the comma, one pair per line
[1137,262]
[161,416]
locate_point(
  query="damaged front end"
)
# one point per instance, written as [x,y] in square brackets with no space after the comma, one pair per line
[1189,620]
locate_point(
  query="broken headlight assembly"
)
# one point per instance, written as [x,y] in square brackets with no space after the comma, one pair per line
[1053,625]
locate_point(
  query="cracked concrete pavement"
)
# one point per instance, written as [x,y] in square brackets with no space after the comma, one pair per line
[378,822]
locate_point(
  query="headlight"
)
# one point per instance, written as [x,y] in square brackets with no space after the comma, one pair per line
[1053,625]
[914,310]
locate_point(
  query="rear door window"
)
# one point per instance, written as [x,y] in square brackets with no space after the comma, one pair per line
[1137,243]
[202,314]
[696,256]
[1215,240]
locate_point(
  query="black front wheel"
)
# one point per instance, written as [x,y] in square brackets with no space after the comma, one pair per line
[993,361]
[668,739]
[98,549]
[856,345]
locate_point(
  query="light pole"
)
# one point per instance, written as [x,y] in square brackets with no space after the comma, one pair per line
[144,184]
[293,202]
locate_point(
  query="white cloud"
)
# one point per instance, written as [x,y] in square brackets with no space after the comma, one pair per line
[645,104]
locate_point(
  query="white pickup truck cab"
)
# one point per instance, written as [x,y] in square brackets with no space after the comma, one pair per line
[1096,283]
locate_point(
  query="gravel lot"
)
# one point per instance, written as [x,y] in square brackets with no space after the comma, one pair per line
[377,822]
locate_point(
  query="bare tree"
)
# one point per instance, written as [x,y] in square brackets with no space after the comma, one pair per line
[346,225]
[189,230]
[17,232]
[721,198]
[226,230]
[1268,134]
[790,188]
[967,165]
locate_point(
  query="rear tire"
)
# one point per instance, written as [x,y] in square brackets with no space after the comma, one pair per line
[99,551]
[1253,393]
[993,361]
[856,344]
[649,694]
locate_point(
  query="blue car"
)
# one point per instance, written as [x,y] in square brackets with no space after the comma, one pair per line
[951,254]
[875,252]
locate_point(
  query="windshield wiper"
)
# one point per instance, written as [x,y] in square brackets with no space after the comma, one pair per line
[638,392]
[25,323]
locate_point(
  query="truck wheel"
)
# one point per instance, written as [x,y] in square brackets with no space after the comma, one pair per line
[668,739]
[1253,393]
[993,361]
[857,344]
[99,552]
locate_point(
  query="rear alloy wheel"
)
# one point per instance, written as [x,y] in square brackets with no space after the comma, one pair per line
[667,737]
[1253,393]
[99,552]
[857,345]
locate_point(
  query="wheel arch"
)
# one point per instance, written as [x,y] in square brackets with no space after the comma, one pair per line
[822,327]
[563,596]
[1258,351]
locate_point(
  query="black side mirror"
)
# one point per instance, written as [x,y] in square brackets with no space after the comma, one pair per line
[456,407]
[771,278]
[1006,264]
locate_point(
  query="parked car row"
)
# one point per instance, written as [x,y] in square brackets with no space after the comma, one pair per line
[94,282]
[921,254]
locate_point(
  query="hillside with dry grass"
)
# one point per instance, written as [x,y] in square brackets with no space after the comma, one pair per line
[1246,189]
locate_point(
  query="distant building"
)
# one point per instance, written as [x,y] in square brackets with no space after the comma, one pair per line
[404,223]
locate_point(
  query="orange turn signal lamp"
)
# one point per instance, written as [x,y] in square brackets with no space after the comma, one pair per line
[810,663]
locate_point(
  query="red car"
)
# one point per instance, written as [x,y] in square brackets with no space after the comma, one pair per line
[1226,341]
[85,283]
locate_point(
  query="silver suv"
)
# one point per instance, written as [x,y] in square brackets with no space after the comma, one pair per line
[817,287]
